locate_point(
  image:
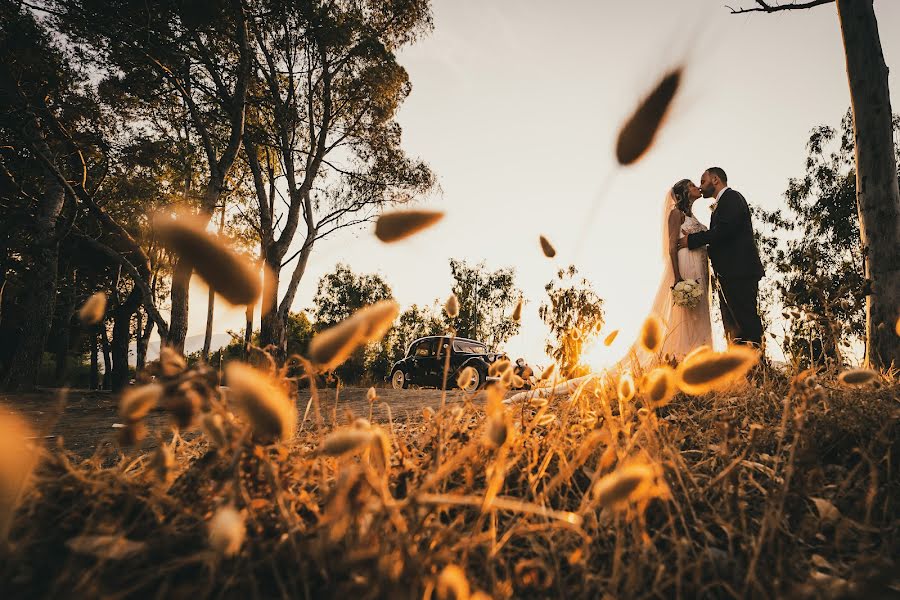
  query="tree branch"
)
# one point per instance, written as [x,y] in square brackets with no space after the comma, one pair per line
[135,276]
[769,8]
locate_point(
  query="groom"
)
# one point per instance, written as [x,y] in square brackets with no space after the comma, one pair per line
[734,256]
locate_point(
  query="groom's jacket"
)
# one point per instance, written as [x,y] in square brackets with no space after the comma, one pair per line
[732,249]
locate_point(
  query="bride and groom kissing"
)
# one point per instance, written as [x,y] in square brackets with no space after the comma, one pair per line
[690,247]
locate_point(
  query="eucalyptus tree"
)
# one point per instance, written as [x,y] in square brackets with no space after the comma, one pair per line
[877,190]
[322,142]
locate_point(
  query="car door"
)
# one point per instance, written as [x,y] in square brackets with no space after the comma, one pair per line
[436,366]
[422,361]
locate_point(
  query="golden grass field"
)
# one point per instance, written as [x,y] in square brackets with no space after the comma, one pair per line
[780,487]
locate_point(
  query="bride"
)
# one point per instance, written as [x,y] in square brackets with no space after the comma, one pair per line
[685,328]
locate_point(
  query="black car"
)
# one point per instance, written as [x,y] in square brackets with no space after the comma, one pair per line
[425,359]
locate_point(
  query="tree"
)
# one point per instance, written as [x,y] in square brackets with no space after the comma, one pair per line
[322,142]
[340,294]
[486,302]
[574,313]
[817,250]
[877,191]
[181,65]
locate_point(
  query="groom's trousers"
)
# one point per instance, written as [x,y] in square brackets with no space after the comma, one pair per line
[740,314]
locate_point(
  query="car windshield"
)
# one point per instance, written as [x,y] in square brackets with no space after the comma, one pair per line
[469,347]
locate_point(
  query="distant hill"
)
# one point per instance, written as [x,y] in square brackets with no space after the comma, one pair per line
[193,343]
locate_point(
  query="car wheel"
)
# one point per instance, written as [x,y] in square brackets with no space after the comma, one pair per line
[398,380]
[475,383]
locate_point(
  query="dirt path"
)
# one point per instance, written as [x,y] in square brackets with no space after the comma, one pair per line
[82,420]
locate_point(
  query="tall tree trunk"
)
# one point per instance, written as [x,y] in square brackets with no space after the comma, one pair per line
[178,322]
[877,193]
[207,336]
[143,342]
[95,366]
[107,359]
[65,311]
[211,303]
[121,338]
[40,290]
[248,327]
[271,326]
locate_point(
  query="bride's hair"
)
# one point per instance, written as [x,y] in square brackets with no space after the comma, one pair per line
[682,201]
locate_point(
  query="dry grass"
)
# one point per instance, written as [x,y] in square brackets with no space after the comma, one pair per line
[781,489]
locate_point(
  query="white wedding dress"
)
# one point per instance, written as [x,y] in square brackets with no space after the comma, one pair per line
[684,329]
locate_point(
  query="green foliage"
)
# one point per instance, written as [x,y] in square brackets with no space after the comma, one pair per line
[815,251]
[574,313]
[486,301]
[340,294]
[413,323]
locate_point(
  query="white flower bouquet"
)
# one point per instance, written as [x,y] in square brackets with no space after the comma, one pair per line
[687,292]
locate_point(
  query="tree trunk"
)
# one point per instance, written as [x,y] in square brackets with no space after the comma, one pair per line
[271,326]
[95,367]
[248,328]
[143,342]
[107,360]
[877,193]
[178,322]
[211,304]
[121,338]
[40,290]
[63,327]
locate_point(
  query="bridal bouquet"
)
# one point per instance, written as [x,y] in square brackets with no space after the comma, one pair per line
[687,293]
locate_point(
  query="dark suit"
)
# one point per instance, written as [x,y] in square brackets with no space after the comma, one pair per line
[735,259]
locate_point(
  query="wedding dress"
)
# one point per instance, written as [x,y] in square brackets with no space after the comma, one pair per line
[685,329]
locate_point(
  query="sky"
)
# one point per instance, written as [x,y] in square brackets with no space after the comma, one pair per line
[516,105]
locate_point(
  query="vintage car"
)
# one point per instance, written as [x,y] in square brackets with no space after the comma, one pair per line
[424,362]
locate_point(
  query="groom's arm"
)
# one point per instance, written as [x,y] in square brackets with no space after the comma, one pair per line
[728,222]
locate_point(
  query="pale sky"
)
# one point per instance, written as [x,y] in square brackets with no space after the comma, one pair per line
[516,105]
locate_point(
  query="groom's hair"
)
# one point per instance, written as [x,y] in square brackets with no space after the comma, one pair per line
[718,172]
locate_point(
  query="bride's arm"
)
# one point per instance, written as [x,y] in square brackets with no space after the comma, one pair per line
[676,218]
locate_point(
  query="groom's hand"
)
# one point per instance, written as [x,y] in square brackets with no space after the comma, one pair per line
[682,242]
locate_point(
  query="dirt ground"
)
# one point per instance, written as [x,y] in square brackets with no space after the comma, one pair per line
[84,421]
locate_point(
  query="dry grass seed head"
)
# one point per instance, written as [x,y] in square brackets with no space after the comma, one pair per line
[517,312]
[622,485]
[652,334]
[395,226]
[626,387]
[465,377]
[93,309]
[18,457]
[229,274]
[548,372]
[608,340]
[162,462]
[213,426]
[452,584]
[659,386]
[171,363]
[706,371]
[855,377]
[377,319]
[497,430]
[271,413]
[371,395]
[346,440]
[329,348]
[136,402]
[451,306]
[227,531]
[547,247]
[639,131]
[498,367]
